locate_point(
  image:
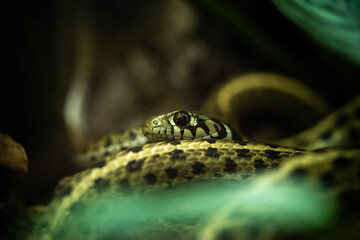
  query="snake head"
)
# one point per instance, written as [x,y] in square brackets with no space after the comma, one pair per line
[180,124]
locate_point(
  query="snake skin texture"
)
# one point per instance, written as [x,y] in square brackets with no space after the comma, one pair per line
[109,145]
[150,167]
[164,164]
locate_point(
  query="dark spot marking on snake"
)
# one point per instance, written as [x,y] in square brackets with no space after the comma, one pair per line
[92,159]
[181,133]
[198,168]
[107,153]
[211,141]
[259,164]
[100,164]
[132,135]
[189,178]
[150,178]
[172,173]
[65,192]
[134,165]
[135,149]
[219,127]
[201,124]
[242,143]
[156,156]
[172,129]
[273,154]
[177,154]
[176,151]
[101,184]
[326,134]
[191,129]
[341,162]
[243,153]
[108,142]
[272,145]
[175,142]
[211,152]
[230,166]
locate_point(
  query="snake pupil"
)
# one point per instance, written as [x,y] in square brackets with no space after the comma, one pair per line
[181,118]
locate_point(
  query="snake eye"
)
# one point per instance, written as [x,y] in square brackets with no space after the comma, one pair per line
[181,118]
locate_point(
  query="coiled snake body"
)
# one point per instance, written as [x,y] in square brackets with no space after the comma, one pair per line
[188,147]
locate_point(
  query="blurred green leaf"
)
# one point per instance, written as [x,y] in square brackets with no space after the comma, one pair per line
[335,24]
[292,207]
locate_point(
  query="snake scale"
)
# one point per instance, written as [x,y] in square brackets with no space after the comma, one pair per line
[183,147]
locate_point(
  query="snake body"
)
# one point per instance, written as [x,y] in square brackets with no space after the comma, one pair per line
[191,147]
[109,145]
[165,164]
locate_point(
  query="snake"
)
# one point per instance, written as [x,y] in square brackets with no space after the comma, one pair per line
[181,148]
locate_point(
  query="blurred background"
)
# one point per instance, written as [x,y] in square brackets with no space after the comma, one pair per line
[77,70]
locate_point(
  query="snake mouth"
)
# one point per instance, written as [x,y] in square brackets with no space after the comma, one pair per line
[156,137]
[148,133]
[155,134]
[146,130]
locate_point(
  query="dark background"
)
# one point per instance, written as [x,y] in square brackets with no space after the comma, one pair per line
[32,95]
